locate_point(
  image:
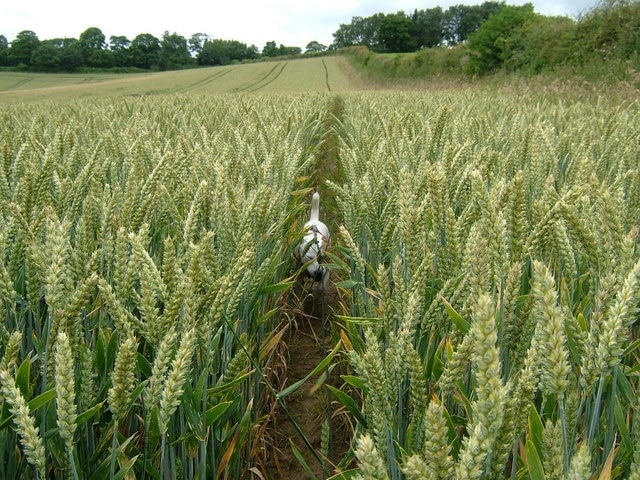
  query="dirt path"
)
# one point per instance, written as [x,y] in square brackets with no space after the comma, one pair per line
[310,407]
[308,342]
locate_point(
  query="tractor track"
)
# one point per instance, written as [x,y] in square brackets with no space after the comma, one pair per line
[205,81]
[265,80]
[326,75]
[19,83]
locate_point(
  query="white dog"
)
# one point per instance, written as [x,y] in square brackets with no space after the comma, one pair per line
[312,247]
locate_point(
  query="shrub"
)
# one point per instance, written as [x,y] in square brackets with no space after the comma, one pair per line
[487,44]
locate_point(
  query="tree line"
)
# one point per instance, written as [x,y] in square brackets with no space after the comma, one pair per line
[427,28]
[145,51]
[397,32]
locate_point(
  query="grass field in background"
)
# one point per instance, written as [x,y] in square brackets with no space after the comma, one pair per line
[326,74]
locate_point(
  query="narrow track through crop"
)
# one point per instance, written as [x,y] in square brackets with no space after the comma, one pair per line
[310,410]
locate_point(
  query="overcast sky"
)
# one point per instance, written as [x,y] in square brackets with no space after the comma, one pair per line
[288,22]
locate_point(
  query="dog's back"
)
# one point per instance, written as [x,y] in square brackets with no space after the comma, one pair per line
[317,230]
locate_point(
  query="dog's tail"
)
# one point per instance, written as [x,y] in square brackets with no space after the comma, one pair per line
[315,207]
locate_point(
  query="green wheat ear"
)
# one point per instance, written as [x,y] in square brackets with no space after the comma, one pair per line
[438,460]
[174,383]
[144,247]
[416,469]
[25,426]
[65,390]
[550,338]
[580,468]
[11,351]
[122,379]
[489,406]
[371,464]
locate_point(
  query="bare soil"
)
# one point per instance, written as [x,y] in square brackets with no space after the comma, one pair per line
[311,406]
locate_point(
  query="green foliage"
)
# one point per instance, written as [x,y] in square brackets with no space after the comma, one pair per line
[395,34]
[271,50]
[362,31]
[428,27]
[145,51]
[602,43]
[92,43]
[315,47]
[174,52]
[224,52]
[22,47]
[538,45]
[462,20]
[609,31]
[487,45]
[426,63]
[400,32]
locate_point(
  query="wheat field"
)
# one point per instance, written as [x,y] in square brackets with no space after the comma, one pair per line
[485,259]
[493,274]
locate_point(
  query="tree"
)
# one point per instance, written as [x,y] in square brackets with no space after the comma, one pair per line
[285,51]
[58,54]
[361,31]
[223,52]
[46,57]
[92,39]
[4,50]
[21,49]
[70,54]
[460,21]
[610,30]
[92,42]
[428,26]
[120,53]
[344,36]
[315,47]
[196,43]
[145,51]
[395,34]
[270,49]
[212,52]
[487,44]
[174,52]
[543,43]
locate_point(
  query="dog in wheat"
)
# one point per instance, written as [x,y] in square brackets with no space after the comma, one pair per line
[311,249]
